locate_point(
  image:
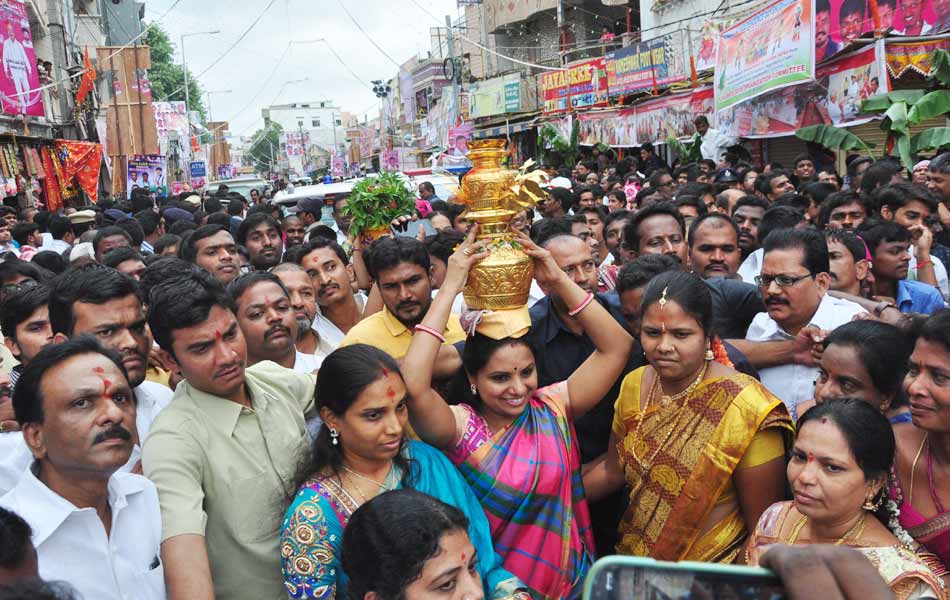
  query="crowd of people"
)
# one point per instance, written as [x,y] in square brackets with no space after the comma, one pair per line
[216,397]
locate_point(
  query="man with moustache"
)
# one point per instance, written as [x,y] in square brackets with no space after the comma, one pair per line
[106,304]
[794,282]
[747,215]
[714,246]
[325,262]
[825,47]
[848,262]
[224,454]
[93,526]
[260,234]
[267,319]
[303,299]
[402,273]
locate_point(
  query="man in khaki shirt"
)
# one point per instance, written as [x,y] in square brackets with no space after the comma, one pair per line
[225,452]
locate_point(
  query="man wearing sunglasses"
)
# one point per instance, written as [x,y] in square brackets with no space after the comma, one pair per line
[794,282]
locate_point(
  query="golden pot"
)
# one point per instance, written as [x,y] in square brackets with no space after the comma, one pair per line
[503,279]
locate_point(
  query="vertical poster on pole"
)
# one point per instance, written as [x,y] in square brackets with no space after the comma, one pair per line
[771,49]
[19,80]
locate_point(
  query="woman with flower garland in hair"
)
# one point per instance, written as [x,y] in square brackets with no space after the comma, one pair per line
[700,446]
[921,479]
[838,474]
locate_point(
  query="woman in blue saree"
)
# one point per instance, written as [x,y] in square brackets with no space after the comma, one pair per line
[359,453]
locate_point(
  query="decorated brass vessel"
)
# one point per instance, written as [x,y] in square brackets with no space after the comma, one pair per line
[494,195]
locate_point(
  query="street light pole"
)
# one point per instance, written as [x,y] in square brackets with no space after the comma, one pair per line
[184,68]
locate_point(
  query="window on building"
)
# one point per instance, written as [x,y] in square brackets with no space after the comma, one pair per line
[299,123]
[338,122]
[316,123]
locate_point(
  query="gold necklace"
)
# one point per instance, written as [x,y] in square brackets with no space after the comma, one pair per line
[645,465]
[913,469]
[384,486]
[855,532]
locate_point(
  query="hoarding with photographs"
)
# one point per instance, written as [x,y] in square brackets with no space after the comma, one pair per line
[149,172]
[771,49]
[19,78]
[673,115]
[839,22]
[835,99]
[615,128]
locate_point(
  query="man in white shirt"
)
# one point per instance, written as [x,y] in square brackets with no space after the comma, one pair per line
[102,302]
[303,299]
[794,281]
[714,142]
[93,527]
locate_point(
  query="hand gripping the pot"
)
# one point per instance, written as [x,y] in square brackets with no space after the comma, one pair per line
[469,252]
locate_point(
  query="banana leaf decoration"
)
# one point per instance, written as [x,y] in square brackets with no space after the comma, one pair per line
[526,192]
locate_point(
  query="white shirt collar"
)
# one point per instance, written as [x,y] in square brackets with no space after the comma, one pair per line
[45,510]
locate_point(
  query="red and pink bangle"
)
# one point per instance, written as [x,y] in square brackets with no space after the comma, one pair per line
[584,303]
[431,331]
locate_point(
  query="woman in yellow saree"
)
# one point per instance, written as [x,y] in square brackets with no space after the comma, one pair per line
[700,446]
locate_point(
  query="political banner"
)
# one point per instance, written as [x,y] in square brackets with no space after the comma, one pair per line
[579,85]
[771,49]
[834,99]
[227,171]
[642,65]
[615,128]
[20,79]
[148,171]
[171,117]
[840,22]
[673,115]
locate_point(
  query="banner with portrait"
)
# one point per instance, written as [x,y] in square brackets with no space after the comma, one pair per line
[171,117]
[673,115]
[834,99]
[19,78]
[839,22]
[643,65]
[615,128]
[148,172]
[771,49]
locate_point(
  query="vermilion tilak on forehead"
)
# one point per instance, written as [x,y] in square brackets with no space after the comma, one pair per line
[811,457]
[217,335]
[390,392]
[385,372]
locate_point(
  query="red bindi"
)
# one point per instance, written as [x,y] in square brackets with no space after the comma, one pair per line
[98,370]
[390,392]
[824,420]
[217,335]
[811,457]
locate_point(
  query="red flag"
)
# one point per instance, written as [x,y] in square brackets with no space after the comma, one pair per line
[88,80]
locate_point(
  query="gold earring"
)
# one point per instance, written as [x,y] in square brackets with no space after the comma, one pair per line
[709,353]
[872,505]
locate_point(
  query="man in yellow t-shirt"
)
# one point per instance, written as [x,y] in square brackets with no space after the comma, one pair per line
[402,269]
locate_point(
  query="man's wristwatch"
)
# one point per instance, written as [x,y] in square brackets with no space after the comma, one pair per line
[881,306]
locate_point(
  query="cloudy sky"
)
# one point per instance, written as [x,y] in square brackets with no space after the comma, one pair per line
[254,71]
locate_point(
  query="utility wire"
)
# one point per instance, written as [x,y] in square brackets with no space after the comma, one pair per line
[368,36]
[240,39]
